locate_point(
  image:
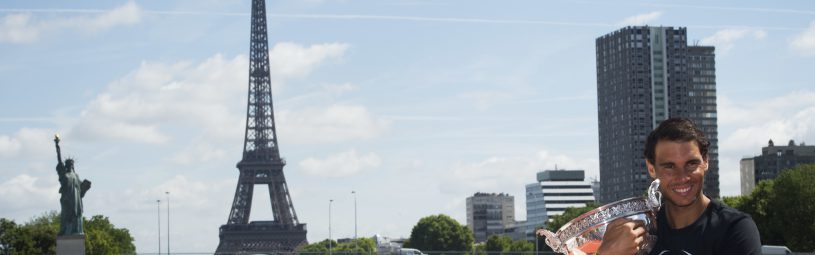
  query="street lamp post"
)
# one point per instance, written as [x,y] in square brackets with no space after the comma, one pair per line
[329,225]
[158,214]
[355,214]
[168,221]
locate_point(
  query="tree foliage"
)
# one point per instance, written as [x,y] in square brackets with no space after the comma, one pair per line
[782,208]
[500,244]
[440,233]
[38,236]
[558,221]
[479,249]
[319,247]
[792,207]
[102,237]
[497,243]
[357,246]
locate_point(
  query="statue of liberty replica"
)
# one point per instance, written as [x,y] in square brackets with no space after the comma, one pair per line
[71,236]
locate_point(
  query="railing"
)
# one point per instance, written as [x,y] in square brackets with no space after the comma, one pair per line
[392,253]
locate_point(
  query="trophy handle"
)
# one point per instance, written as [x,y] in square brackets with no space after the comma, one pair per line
[551,240]
[654,196]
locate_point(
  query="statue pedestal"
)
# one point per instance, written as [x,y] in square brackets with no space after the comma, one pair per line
[70,245]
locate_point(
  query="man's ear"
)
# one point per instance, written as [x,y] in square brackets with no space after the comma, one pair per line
[651,171]
[706,162]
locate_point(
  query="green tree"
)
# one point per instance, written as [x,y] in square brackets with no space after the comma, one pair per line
[498,243]
[319,248]
[479,249]
[793,205]
[757,206]
[558,221]
[735,201]
[38,236]
[7,228]
[440,233]
[357,246]
[522,246]
[102,237]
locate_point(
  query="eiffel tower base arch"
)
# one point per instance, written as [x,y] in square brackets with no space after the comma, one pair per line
[261,237]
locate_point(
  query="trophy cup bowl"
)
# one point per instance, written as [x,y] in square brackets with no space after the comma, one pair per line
[584,234]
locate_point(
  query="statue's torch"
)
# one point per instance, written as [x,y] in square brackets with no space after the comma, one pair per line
[59,153]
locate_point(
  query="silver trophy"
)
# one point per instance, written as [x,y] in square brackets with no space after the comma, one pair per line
[584,234]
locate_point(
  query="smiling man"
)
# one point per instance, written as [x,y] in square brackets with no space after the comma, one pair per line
[689,223]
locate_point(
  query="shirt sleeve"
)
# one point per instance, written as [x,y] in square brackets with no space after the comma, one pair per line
[742,238]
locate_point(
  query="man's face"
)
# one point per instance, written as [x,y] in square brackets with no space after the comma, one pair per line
[681,169]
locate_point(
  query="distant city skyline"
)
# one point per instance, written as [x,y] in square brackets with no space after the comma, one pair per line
[412,104]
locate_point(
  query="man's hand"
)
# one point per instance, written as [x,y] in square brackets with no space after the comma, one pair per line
[623,236]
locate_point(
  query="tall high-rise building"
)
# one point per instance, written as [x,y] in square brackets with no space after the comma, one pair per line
[563,189]
[773,160]
[535,210]
[748,171]
[490,214]
[644,76]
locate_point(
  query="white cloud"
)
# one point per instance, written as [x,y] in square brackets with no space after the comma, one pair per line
[156,95]
[9,146]
[746,127]
[127,14]
[332,124]
[725,39]
[21,28]
[209,95]
[27,142]
[641,19]
[805,42]
[290,60]
[190,194]
[344,164]
[131,206]
[29,194]
[507,175]
[200,152]
[15,28]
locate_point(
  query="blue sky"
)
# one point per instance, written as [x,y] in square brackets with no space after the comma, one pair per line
[413,104]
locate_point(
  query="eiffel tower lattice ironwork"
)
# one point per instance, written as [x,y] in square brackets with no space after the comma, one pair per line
[261,164]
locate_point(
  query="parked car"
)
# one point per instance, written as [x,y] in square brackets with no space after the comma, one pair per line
[775,250]
[410,251]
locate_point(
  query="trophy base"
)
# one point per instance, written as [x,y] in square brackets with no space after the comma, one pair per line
[70,245]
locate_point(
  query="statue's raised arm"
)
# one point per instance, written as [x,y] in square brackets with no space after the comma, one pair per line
[59,153]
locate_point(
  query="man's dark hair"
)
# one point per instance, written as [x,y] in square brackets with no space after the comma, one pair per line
[676,129]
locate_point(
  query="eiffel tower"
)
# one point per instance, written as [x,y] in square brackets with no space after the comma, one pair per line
[261,164]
